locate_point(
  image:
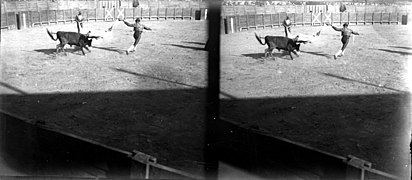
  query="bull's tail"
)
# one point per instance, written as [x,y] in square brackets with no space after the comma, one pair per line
[259,39]
[51,35]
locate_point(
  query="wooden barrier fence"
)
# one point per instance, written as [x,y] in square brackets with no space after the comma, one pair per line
[36,5]
[243,10]
[238,23]
[13,20]
[78,154]
[241,147]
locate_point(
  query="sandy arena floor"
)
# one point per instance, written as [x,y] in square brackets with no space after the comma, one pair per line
[357,104]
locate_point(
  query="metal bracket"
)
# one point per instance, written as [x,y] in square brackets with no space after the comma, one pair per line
[142,157]
[359,163]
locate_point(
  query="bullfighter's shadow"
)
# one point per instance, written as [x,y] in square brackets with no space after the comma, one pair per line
[198,43]
[318,54]
[401,47]
[396,52]
[114,49]
[187,47]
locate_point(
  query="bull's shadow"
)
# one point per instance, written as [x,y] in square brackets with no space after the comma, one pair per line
[46,51]
[276,54]
[67,49]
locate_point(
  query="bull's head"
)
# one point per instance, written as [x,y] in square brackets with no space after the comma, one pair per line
[90,38]
[295,44]
[298,42]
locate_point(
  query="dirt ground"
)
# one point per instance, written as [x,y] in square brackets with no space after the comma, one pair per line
[355,105]
[151,100]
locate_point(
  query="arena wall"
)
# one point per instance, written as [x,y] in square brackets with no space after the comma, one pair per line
[268,9]
[23,14]
[236,23]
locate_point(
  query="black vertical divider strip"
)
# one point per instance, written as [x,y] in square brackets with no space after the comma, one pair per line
[212,106]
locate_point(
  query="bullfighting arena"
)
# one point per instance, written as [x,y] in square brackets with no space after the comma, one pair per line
[357,104]
[153,100]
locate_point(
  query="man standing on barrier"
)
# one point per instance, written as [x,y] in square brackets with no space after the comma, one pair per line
[287,24]
[138,29]
[79,21]
[346,33]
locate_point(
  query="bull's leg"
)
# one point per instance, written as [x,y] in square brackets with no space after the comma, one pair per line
[82,51]
[57,48]
[62,48]
[294,52]
[290,54]
[271,52]
[87,48]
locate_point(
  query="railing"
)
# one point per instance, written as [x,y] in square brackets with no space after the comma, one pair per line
[271,9]
[250,148]
[26,143]
[13,20]
[254,21]
[36,5]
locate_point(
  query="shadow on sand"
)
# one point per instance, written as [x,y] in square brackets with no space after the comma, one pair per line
[113,49]
[187,47]
[261,56]
[396,52]
[170,125]
[74,50]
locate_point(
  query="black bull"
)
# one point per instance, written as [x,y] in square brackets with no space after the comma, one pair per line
[281,42]
[72,38]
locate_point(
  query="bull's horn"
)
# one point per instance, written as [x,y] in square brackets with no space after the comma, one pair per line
[296,38]
[95,37]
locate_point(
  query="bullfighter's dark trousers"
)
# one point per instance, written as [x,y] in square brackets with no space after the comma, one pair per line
[79,25]
[287,31]
[137,35]
[345,42]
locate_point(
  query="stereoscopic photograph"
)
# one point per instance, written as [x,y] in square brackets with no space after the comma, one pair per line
[199,89]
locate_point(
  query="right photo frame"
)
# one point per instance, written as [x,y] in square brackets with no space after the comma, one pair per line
[314,90]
